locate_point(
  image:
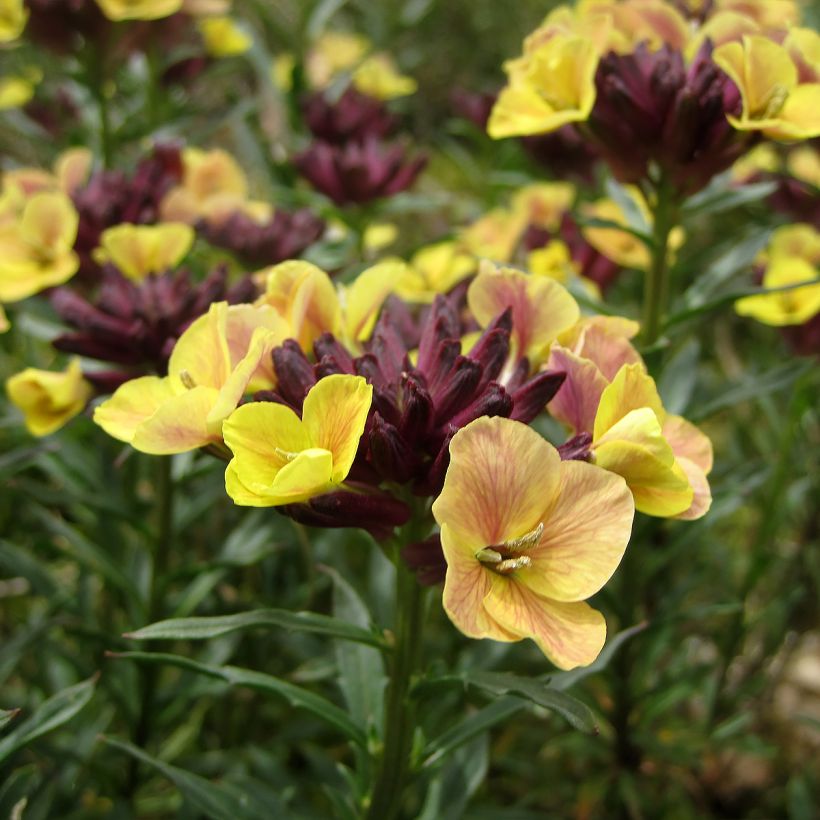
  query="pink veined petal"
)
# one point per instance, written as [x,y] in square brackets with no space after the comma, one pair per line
[569,634]
[178,425]
[576,403]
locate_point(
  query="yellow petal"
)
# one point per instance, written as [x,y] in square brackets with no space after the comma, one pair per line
[48,399]
[541,307]
[334,415]
[140,250]
[569,634]
[365,297]
[788,307]
[687,441]
[587,528]
[139,9]
[308,475]
[201,355]
[132,403]
[702,498]
[631,389]
[501,478]
[799,119]
[223,37]
[49,222]
[178,425]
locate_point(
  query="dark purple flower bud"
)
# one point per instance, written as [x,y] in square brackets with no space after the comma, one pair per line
[456,391]
[532,397]
[377,512]
[493,347]
[353,116]
[426,559]
[565,153]
[494,401]
[284,236]
[390,352]
[389,454]
[294,373]
[442,325]
[432,483]
[576,448]
[417,410]
[327,348]
[358,172]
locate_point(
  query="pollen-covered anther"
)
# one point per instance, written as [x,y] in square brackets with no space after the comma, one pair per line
[505,558]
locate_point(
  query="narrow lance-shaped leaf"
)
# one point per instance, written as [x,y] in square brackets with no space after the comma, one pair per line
[203,628]
[235,676]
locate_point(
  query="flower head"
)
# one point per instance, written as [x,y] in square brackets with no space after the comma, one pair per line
[49,400]
[279,458]
[527,538]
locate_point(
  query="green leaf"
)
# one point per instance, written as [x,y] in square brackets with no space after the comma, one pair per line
[450,792]
[54,712]
[678,378]
[753,387]
[611,225]
[361,668]
[203,628]
[222,801]
[576,713]
[718,196]
[234,676]
[634,215]
[7,715]
[475,724]
[320,17]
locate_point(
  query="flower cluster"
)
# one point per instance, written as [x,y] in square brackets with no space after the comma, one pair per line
[651,92]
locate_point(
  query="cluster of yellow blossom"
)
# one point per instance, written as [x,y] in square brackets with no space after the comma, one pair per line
[773,62]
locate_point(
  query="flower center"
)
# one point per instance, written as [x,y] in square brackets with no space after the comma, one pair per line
[505,558]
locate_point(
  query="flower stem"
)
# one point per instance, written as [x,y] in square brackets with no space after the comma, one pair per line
[656,282]
[164,501]
[399,712]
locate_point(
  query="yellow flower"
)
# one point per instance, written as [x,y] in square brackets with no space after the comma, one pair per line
[775,100]
[548,88]
[788,307]
[378,235]
[768,14]
[541,308]
[494,235]
[763,158]
[620,246]
[306,298]
[377,77]
[222,356]
[213,187]
[333,53]
[141,250]
[223,37]
[434,269]
[139,9]
[527,539]
[49,400]
[15,92]
[555,262]
[36,248]
[279,458]
[803,163]
[13,17]
[71,171]
[544,204]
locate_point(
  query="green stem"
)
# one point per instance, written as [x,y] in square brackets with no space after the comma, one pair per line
[399,712]
[164,499]
[656,282]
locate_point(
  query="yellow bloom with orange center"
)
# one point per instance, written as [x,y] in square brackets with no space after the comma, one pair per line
[49,400]
[139,9]
[527,539]
[279,458]
[542,309]
[213,187]
[222,356]
[776,98]
[793,257]
[552,86]
[138,251]
[432,270]
[13,17]
[36,247]
[223,37]
[306,298]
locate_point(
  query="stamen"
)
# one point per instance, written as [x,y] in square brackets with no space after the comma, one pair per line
[285,454]
[187,379]
[505,558]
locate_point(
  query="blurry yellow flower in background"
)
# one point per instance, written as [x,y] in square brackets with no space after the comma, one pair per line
[36,246]
[48,400]
[140,250]
[494,235]
[792,257]
[223,37]
[139,9]
[779,99]
[378,77]
[13,17]
[432,270]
